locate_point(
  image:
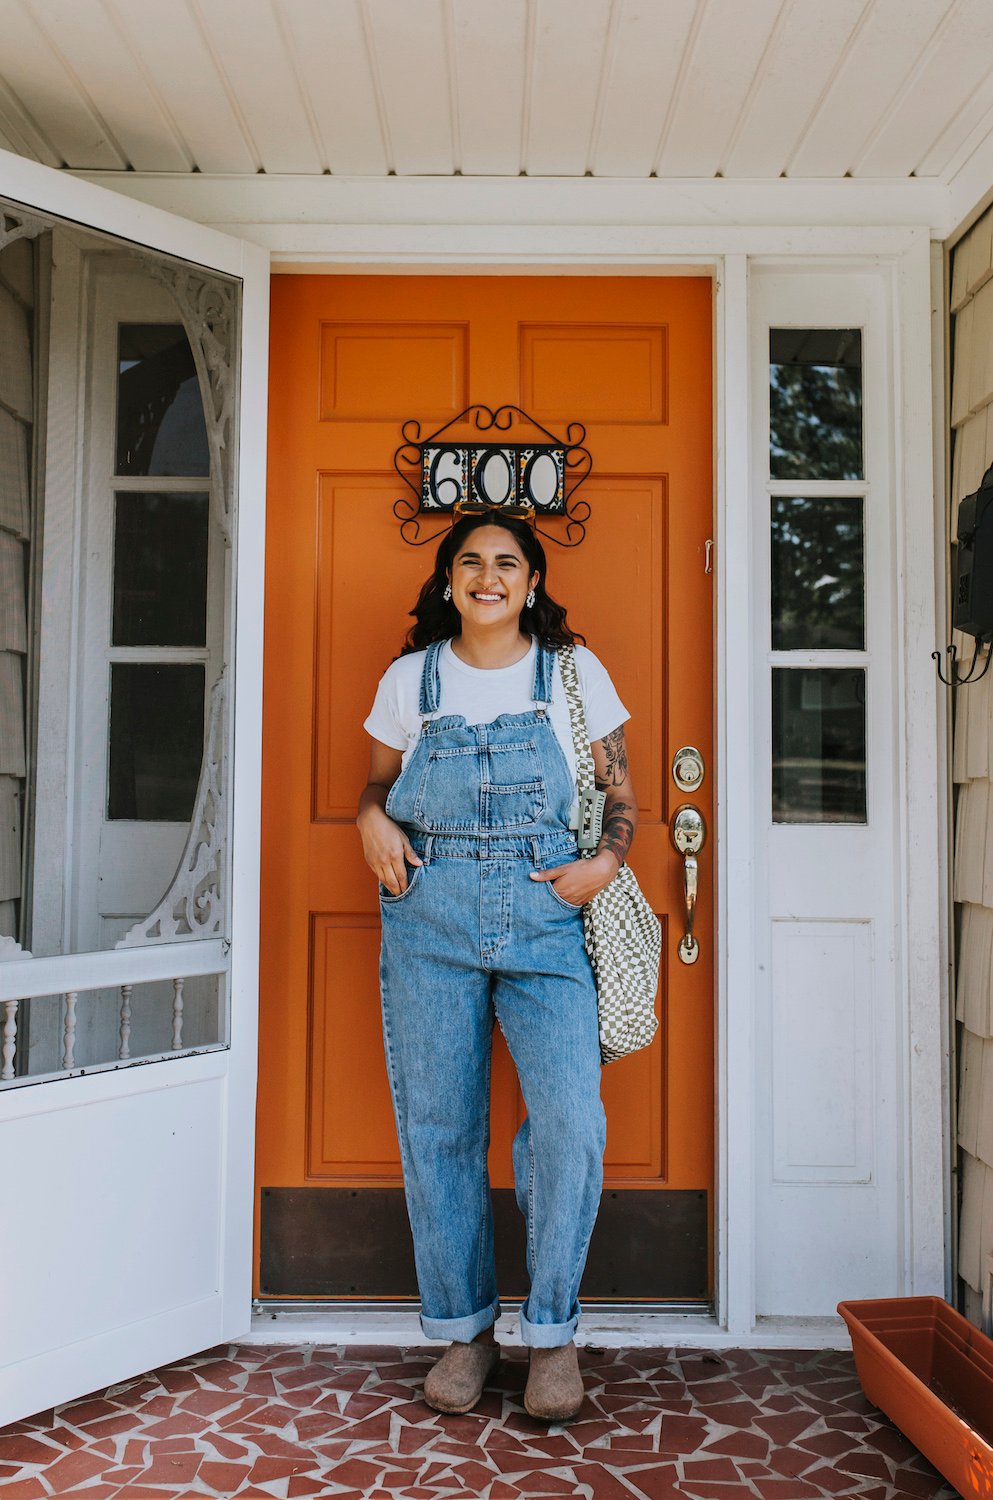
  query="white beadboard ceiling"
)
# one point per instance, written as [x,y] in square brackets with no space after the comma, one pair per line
[609,88]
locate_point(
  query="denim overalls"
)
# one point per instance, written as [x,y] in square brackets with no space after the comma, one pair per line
[472,939]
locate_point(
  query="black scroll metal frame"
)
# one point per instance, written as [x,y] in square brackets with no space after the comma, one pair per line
[953,680]
[408,461]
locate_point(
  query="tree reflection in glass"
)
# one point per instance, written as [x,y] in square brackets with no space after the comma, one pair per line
[818,574]
[815,403]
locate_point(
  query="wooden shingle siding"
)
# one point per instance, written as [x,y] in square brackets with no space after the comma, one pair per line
[972,771]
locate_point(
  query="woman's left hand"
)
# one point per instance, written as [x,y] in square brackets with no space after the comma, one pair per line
[579,881]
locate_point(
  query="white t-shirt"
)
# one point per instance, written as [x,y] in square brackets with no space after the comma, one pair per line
[479,694]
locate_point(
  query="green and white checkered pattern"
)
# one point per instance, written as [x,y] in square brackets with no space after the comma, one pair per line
[623,934]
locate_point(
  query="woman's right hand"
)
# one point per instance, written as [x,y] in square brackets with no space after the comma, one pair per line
[386,848]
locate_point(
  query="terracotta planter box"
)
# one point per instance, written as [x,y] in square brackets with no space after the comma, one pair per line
[931,1371]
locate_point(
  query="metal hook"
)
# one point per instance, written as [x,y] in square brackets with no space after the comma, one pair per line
[954,681]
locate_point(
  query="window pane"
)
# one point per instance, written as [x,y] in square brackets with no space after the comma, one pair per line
[160,569]
[156,740]
[818,745]
[815,403]
[160,423]
[818,582]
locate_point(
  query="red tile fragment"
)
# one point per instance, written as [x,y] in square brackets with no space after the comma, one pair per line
[108,1426]
[658,1482]
[740,1445]
[788,1489]
[786,1427]
[172,1468]
[79,1413]
[683,1434]
[604,1484]
[918,1482]
[540,1483]
[182,1424]
[225,1478]
[23,1489]
[372,1429]
[827,1444]
[74,1469]
[224,1445]
[721,1469]
[872,1464]
[118,1476]
[178,1380]
[266,1469]
[21,1449]
[219,1372]
[207,1403]
[829,1481]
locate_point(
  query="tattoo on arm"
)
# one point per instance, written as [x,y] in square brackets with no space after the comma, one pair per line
[618,828]
[616,755]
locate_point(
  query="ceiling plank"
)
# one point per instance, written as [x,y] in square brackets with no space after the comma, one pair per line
[715,80]
[249,51]
[178,62]
[21,130]
[410,45]
[871,74]
[490,78]
[329,49]
[641,76]
[797,71]
[955,64]
[570,47]
[108,73]
[38,77]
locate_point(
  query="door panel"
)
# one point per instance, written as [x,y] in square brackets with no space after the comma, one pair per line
[352,359]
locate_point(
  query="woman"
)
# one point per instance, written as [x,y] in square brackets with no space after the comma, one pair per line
[466,823]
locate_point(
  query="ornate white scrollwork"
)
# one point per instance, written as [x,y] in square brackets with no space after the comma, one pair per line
[193,906]
[209,308]
[17,224]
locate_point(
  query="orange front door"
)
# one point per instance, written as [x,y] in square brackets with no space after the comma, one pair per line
[353,358]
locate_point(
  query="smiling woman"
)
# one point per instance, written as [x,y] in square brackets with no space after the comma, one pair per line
[468,822]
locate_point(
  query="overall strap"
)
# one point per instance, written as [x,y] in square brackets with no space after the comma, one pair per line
[431,679]
[544,674]
[585,773]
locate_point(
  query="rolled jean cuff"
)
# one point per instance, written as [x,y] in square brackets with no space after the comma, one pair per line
[548,1335]
[461,1330]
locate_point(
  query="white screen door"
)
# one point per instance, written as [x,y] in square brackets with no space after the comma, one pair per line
[126,1231]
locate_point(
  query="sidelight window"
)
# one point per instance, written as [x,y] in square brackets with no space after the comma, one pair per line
[818,572]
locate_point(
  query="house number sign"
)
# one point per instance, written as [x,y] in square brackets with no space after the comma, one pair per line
[448,474]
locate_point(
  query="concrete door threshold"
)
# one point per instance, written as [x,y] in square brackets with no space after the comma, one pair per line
[602,1328]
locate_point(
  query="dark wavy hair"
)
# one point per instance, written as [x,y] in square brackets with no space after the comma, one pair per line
[437,619]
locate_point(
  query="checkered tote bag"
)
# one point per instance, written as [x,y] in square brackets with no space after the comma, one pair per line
[623,934]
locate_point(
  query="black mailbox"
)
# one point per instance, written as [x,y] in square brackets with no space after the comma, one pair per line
[972,609]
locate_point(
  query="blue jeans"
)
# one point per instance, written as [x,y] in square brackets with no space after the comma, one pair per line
[470,941]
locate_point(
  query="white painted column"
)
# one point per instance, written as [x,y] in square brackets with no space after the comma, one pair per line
[735,830]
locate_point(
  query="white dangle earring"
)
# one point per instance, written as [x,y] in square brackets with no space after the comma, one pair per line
[448,592]
[529,601]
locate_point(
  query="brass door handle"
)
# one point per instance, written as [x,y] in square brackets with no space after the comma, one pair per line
[689,832]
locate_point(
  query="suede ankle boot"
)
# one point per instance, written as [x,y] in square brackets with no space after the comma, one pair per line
[554,1392]
[456,1382]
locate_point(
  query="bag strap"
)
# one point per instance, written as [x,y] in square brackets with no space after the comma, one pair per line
[585,774]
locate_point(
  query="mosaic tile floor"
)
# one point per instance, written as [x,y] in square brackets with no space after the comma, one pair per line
[349,1422]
